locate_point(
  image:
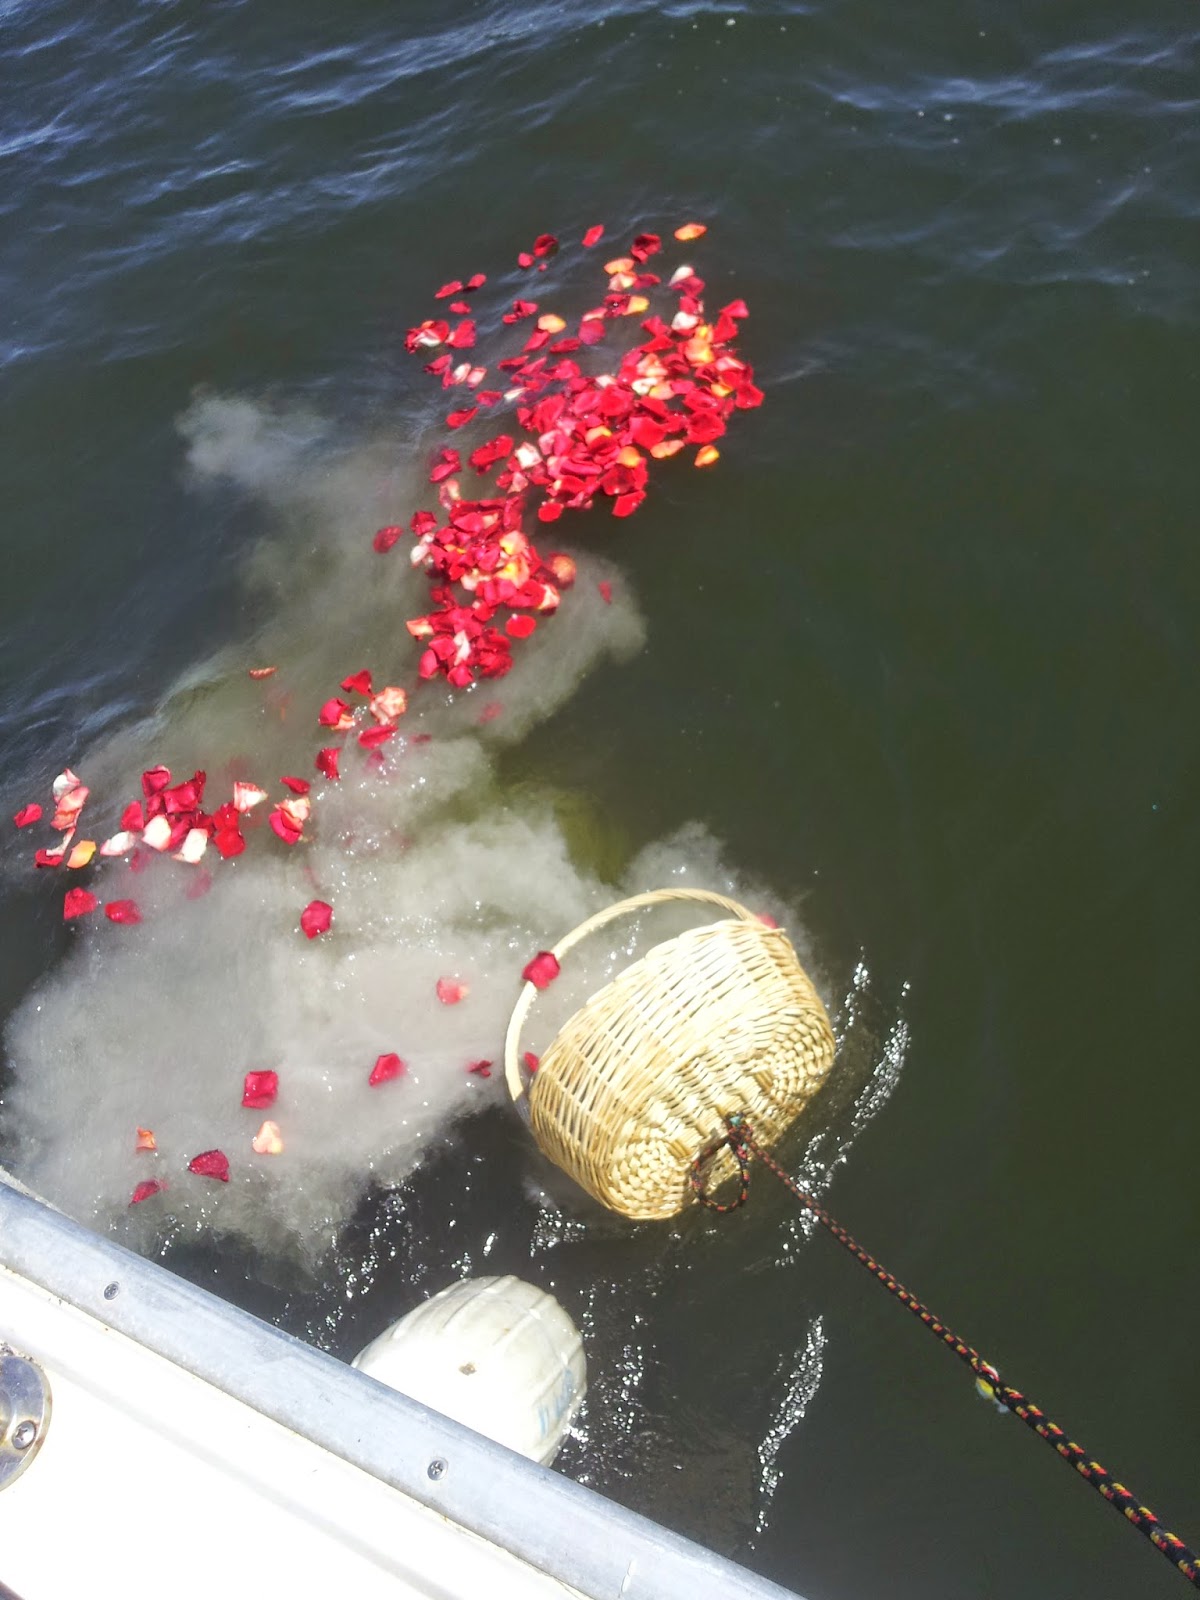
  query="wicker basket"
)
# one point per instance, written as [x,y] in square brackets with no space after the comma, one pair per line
[720,1019]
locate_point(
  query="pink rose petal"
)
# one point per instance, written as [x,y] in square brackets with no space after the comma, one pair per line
[268,1141]
[450,992]
[144,1190]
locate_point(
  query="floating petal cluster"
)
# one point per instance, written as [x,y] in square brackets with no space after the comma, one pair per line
[578,431]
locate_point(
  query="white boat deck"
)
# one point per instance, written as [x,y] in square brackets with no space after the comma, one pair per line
[193,1450]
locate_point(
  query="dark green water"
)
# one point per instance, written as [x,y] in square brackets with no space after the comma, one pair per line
[920,652]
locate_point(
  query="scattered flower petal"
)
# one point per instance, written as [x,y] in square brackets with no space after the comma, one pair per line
[247,796]
[594,235]
[450,992]
[193,848]
[259,1090]
[482,1069]
[327,763]
[389,704]
[155,780]
[82,853]
[78,903]
[690,231]
[386,1067]
[706,455]
[385,538]
[316,918]
[531,1061]
[147,1187]
[268,1141]
[296,785]
[262,672]
[335,714]
[358,683]
[605,589]
[211,1164]
[145,1140]
[124,911]
[28,814]
[157,833]
[542,970]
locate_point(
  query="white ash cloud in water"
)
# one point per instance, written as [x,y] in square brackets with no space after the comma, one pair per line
[432,872]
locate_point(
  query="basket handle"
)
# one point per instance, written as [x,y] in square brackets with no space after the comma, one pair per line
[637,902]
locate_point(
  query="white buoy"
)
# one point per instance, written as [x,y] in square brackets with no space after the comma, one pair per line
[497,1354]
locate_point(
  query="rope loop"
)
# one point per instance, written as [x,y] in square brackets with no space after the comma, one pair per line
[700,1166]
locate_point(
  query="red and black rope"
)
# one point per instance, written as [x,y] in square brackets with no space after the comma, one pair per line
[741,1143]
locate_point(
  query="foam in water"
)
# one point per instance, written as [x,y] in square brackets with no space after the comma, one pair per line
[431,868]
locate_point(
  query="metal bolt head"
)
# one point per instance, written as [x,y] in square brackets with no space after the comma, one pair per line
[23,1435]
[436,1468]
[111,1291]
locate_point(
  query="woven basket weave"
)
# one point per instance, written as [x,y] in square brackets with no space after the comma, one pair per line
[720,1019]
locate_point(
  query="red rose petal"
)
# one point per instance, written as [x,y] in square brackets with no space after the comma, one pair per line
[133,818]
[542,970]
[475,281]
[285,827]
[594,235]
[211,1164]
[126,911]
[447,289]
[28,814]
[148,1187]
[531,1061]
[520,626]
[386,538]
[333,714]
[358,683]
[372,738]
[482,1069]
[296,785]
[448,462]
[327,762]
[228,841]
[459,419]
[155,780]
[316,918]
[78,903]
[450,992]
[605,589]
[386,1067]
[259,1090]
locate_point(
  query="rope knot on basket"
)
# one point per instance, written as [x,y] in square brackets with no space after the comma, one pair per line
[720,1020]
